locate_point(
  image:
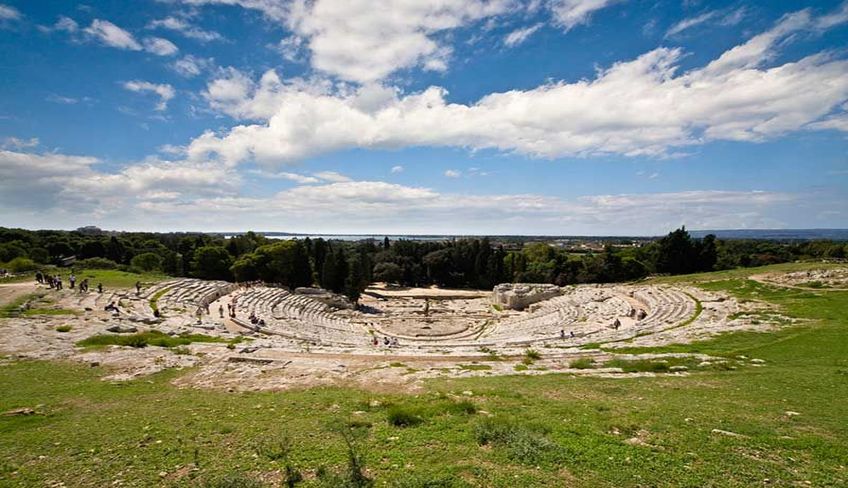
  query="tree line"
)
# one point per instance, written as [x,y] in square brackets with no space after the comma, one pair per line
[347,267]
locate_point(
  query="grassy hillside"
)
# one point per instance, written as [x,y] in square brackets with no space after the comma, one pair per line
[782,423]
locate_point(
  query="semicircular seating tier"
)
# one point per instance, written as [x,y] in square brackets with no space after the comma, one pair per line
[187,294]
[297,317]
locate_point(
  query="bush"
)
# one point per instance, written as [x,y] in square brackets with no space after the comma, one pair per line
[21,265]
[400,416]
[63,328]
[97,263]
[463,407]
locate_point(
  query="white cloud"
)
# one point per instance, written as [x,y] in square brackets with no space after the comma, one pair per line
[332,176]
[17,143]
[518,36]
[571,13]
[725,18]
[690,22]
[397,169]
[638,107]
[40,190]
[296,177]
[165,92]
[452,173]
[9,13]
[190,66]
[61,100]
[112,35]
[356,41]
[160,46]
[185,28]
[66,24]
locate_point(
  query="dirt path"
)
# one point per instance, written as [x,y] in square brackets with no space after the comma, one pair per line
[11,291]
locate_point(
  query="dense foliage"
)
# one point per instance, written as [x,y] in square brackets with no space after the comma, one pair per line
[347,267]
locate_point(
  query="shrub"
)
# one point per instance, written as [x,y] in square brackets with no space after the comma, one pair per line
[400,416]
[21,265]
[97,263]
[523,443]
[463,407]
[532,354]
[63,328]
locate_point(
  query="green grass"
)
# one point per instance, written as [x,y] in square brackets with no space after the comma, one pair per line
[112,278]
[475,367]
[582,363]
[64,328]
[148,338]
[154,300]
[48,311]
[544,430]
[16,307]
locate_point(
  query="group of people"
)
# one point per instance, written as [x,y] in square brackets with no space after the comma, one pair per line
[562,334]
[256,320]
[388,342]
[55,282]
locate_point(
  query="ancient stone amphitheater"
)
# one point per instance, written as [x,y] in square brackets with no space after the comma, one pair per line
[277,338]
[431,320]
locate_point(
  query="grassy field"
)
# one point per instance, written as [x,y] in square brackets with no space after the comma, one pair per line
[111,278]
[784,423]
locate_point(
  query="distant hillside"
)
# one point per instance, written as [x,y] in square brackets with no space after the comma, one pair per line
[776,234]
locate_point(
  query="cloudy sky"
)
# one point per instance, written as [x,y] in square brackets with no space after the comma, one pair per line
[424,116]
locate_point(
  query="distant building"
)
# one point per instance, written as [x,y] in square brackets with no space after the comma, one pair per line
[91,230]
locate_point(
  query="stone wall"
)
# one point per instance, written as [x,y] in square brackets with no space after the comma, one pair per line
[518,296]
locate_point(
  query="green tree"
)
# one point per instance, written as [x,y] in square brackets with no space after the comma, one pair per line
[388,272]
[211,263]
[147,261]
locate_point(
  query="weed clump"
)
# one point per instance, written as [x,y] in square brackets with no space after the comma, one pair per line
[64,328]
[582,363]
[401,416]
[234,480]
[522,442]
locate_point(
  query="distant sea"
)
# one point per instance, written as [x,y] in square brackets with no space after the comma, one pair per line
[765,234]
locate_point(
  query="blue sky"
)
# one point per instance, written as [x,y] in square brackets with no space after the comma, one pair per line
[448,116]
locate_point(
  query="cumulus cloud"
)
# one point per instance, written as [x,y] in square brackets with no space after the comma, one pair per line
[355,41]
[111,35]
[160,46]
[165,92]
[59,184]
[185,28]
[190,66]
[571,13]
[644,106]
[40,189]
[518,36]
